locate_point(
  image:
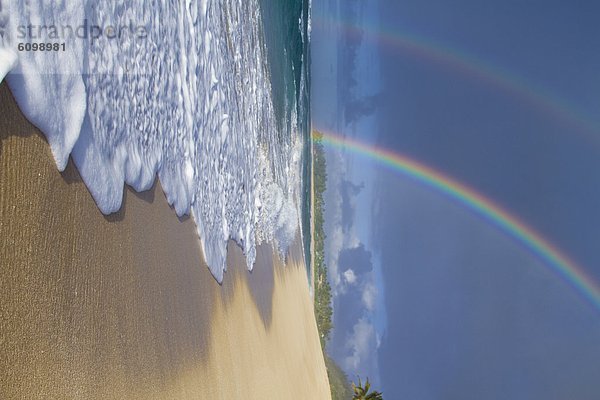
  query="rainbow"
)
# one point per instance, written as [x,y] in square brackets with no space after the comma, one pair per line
[480,205]
[526,92]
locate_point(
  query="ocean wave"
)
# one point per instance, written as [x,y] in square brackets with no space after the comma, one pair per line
[183,94]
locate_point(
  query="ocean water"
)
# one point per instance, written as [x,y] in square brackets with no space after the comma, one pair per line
[287,34]
[211,97]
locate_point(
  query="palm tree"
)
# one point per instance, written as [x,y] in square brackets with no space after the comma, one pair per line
[362,393]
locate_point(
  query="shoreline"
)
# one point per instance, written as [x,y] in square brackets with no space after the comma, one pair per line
[123,306]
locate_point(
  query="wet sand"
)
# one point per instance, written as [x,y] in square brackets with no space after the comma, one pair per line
[123,306]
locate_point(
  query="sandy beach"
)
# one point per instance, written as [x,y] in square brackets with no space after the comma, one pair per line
[123,306]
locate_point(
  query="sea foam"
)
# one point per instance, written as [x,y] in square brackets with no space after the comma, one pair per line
[184,94]
[8,58]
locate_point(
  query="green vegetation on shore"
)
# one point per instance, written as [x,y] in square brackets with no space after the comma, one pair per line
[338,381]
[322,288]
[341,388]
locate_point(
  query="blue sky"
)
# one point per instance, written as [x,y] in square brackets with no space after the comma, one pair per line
[460,310]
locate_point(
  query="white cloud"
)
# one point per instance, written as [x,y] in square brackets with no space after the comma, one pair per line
[369,295]
[334,247]
[352,241]
[350,276]
[337,239]
[361,342]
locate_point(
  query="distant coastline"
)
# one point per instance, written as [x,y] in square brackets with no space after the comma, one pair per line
[338,381]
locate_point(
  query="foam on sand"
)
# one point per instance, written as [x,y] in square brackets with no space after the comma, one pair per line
[8,58]
[181,92]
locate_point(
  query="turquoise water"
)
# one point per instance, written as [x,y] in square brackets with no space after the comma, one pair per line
[286,33]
